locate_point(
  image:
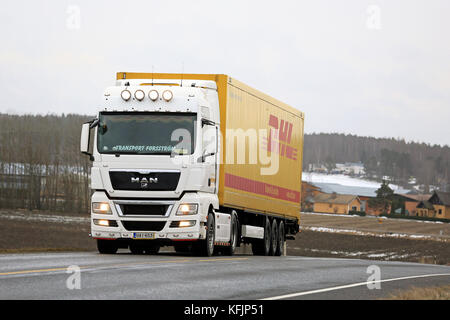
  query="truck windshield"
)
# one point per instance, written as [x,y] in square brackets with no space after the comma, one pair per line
[146,133]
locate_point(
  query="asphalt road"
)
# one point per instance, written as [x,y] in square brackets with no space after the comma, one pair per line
[169,276]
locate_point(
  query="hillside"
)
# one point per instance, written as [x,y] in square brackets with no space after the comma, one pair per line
[398,159]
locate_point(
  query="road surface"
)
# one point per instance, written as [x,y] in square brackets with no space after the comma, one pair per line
[170,276]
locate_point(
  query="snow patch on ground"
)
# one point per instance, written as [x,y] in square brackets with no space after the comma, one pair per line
[365,233]
[345,181]
[362,254]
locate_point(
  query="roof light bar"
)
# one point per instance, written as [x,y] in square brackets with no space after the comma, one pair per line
[167,95]
[126,95]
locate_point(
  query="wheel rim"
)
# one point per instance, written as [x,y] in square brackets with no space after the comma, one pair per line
[210,237]
[274,237]
[233,235]
[268,237]
[281,238]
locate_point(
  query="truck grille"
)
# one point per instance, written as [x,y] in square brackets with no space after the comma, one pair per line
[143,225]
[145,210]
[153,181]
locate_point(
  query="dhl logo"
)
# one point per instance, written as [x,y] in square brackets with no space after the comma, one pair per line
[279,138]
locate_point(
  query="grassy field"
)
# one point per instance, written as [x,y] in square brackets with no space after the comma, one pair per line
[435,293]
[25,231]
[381,227]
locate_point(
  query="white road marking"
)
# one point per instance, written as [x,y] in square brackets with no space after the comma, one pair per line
[304,293]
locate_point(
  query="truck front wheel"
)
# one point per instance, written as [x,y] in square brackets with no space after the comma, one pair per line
[106,246]
[206,247]
[234,235]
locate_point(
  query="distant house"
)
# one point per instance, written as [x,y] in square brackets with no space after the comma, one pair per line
[336,203]
[441,204]
[308,192]
[350,168]
[437,206]
[412,201]
[364,194]
[425,209]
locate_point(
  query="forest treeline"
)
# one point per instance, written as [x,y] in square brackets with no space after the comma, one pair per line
[396,158]
[42,168]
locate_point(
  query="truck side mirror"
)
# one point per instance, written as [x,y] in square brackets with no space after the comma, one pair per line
[84,141]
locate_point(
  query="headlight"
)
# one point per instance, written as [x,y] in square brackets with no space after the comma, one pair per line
[167,95]
[139,95]
[101,207]
[186,209]
[125,94]
[153,95]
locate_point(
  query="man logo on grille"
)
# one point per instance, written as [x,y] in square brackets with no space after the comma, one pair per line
[144,181]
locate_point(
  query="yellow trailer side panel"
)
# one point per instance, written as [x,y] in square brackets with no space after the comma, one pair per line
[271,130]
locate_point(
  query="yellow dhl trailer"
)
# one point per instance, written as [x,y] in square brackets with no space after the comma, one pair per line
[238,181]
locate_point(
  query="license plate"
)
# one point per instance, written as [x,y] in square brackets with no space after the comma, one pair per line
[144,235]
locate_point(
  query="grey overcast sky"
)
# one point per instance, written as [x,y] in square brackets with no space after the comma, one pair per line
[370,68]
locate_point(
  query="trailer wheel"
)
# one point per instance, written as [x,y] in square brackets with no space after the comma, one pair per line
[281,239]
[262,247]
[234,235]
[274,238]
[106,246]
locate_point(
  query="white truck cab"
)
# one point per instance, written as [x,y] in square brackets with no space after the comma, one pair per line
[154,172]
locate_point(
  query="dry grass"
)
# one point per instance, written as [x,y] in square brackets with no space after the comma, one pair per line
[434,293]
[436,231]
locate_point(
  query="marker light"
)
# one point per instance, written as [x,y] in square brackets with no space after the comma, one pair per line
[153,95]
[101,207]
[167,95]
[126,95]
[139,95]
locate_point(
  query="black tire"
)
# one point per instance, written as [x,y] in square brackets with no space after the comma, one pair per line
[234,237]
[106,246]
[206,247]
[136,249]
[267,237]
[273,238]
[281,239]
[262,247]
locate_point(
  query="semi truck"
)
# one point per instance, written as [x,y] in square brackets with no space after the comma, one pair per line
[200,162]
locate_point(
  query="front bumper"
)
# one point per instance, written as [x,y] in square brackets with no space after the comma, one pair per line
[157,227]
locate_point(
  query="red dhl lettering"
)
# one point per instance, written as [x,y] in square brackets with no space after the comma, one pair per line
[279,137]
